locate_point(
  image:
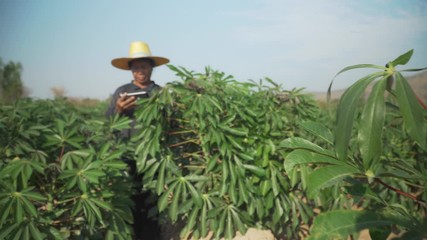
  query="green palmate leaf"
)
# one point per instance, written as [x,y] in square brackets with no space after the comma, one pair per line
[402,174]
[272,82]
[151,168]
[102,204]
[341,223]
[362,190]
[260,172]
[77,208]
[221,224]
[278,213]
[60,125]
[6,231]
[55,234]
[243,156]
[23,168]
[225,173]
[35,232]
[413,113]
[229,119]
[91,210]
[68,174]
[119,165]
[402,59]
[109,235]
[346,112]
[93,175]
[215,102]
[404,217]
[297,143]
[232,170]
[120,123]
[372,123]
[163,199]
[413,70]
[328,176]
[243,191]
[238,222]
[302,156]
[82,184]
[235,131]
[190,223]
[196,178]
[71,182]
[8,186]
[68,156]
[203,221]
[6,209]
[234,143]
[19,212]
[111,156]
[351,68]
[318,130]
[265,187]
[103,151]
[28,206]
[229,229]
[195,195]
[304,175]
[274,183]
[404,169]
[161,178]
[173,210]
[75,142]
[180,71]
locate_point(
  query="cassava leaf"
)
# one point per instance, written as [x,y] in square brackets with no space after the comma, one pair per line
[328,176]
[346,112]
[412,112]
[301,143]
[351,68]
[340,224]
[302,156]
[318,130]
[372,123]
[402,59]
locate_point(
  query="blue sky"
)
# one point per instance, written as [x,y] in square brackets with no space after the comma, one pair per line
[298,44]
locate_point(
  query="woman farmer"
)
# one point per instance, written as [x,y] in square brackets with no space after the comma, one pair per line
[141,63]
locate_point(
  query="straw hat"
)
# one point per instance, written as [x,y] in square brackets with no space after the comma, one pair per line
[138,50]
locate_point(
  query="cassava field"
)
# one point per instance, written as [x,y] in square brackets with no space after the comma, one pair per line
[218,157]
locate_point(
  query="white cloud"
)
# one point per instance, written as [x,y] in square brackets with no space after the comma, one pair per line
[319,30]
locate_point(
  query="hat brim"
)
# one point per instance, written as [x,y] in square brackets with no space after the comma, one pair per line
[123,63]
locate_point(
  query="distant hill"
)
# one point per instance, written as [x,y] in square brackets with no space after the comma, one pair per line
[418,82]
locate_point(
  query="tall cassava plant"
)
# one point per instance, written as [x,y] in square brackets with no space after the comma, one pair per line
[373,114]
[208,148]
[355,157]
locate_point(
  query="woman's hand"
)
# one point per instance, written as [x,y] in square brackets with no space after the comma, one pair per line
[125,103]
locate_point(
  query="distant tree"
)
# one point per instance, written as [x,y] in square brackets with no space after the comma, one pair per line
[58,92]
[11,87]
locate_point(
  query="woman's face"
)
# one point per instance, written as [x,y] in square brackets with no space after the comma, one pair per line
[141,71]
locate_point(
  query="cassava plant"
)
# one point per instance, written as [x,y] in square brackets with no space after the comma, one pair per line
[61,174]
[208,148]
[373,160]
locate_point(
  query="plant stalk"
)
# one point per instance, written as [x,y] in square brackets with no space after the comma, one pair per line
[398,191]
